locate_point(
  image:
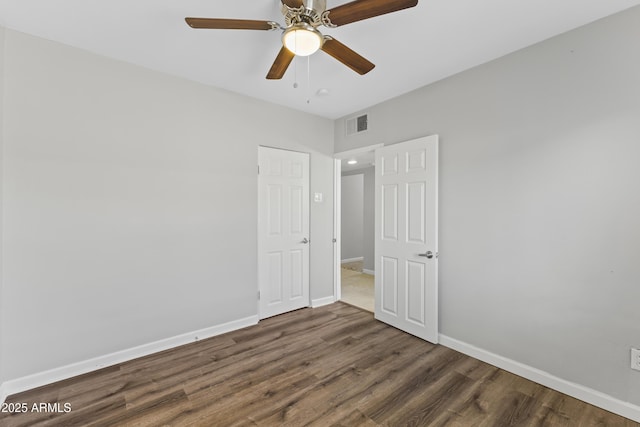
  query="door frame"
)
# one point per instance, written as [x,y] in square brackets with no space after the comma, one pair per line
[337,229]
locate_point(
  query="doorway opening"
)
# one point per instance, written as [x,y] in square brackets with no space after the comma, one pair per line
[357,263]
[356,179]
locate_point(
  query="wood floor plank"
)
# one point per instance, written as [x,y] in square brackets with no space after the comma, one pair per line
[330,366]
[360,388]
[357,380]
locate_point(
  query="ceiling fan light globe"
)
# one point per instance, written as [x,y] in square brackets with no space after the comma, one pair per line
[302,40]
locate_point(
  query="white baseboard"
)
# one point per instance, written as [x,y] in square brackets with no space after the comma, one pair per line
[369,272]
[322,301]
[64,372]
[352,260]
[578,391]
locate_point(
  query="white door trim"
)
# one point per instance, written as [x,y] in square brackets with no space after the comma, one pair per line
[337,229]
[356,151]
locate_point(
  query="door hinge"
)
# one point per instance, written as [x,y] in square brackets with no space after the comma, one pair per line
[258,295]
[258,169]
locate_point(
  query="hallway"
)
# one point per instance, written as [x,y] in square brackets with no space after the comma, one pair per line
[357,287]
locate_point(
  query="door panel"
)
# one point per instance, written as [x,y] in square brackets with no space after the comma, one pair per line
[406,228]
[390,212]
[415,292]
[416,161]
[389,164]
[389,282]
[274,209]
[415,213]
[274,280]
[297,271]
[283,231]
[297,210]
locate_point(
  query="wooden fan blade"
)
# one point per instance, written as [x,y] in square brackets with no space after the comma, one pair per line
[293,3]
[228,24]
[281,64]
[364,9]
[347,56]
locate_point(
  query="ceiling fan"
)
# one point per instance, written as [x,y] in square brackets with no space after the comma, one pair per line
[301,36]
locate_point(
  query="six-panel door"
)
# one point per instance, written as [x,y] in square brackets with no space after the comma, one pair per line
[406,280]
[283,231]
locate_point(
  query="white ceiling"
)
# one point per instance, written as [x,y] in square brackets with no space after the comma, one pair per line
[410,48]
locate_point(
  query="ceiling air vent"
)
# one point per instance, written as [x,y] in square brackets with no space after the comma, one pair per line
[357,124]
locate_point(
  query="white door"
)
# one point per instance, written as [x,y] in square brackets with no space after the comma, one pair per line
[283,231]
[406,280]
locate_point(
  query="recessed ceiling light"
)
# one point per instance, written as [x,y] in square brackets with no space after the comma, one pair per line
[322,92]
[352,162]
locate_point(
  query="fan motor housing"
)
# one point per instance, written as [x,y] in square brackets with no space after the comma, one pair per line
[312,12]
[318,6]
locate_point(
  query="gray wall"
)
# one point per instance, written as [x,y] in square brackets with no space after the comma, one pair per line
[368,219]
[539,201]
[130,204]
[1,187]
[352,190]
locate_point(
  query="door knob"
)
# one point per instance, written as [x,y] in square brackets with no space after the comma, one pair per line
[305,241]
[429,254]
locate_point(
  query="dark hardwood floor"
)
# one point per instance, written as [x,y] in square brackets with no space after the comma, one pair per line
[329,366]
